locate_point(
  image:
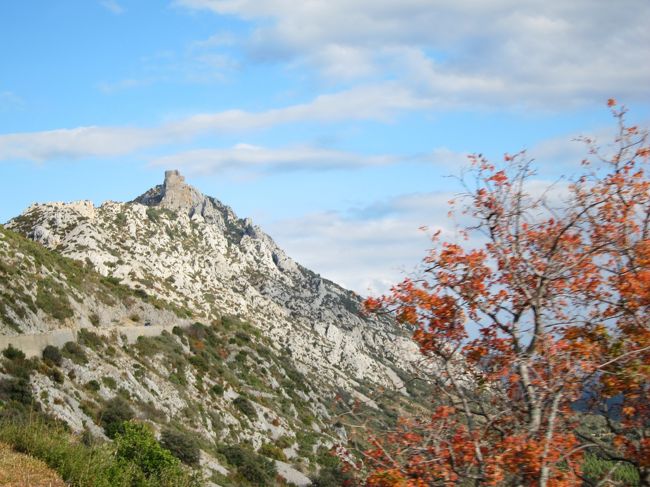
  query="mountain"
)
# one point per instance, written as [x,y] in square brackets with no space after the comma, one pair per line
[201,323]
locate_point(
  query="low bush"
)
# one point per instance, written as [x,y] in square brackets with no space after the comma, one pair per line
[114,414]
[56,375]
[246,407]
[13,353]
[109,382]
[16,389]
[137,446]
[182,445]
[252,467]
[271,451]
[52,355]
[75,352]
[90,339]
[595,468]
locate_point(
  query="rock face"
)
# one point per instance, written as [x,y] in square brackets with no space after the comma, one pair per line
[189,249]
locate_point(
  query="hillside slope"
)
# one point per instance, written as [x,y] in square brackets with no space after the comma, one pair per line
[189,249]
[255,350]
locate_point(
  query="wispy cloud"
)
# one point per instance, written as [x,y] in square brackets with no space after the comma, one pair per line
[372,247]
[379,102]
[246,157]
[112,6]
[366,249]
[256,160]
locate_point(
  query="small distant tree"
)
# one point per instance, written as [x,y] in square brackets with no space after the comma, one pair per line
[542,324]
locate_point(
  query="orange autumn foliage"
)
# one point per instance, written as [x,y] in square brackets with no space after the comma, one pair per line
[548,312]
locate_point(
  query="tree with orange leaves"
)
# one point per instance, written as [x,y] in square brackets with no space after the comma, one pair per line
[540,335]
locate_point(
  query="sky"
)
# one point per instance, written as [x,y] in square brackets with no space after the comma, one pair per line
[338,126]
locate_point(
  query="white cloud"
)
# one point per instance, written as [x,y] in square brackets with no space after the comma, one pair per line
[539,52]
[378,102]
[371,248]
[75,143]
[112,6]
[253,158]
[366,249]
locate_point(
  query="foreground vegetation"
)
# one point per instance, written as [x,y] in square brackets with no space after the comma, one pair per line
[541,333]
[134,459]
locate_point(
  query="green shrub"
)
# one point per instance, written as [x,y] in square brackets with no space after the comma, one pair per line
[242,337]
[217,389]
[13,353]
[94,319]
[284,442]
[93,385]
[113,416]
[137,445]
[88,464]
[75,353]
[595,468]
[51,298]
[182,445]
[271,451]
[256,469]
[90,339]
[56,375]
[16,389]
[52,355]
[246,407]
[19,366]
[109,382]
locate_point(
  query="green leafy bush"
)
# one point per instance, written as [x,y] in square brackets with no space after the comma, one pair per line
[51,298]
[74,352]
[16,389]
[90,339]
[246,407]
[56,375]
[258,470]
[52,355]
[595,468]
[182,445]
[13,353]
[115,413]
[136,445]
[271,451]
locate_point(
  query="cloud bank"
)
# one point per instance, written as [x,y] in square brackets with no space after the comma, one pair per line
[539,53]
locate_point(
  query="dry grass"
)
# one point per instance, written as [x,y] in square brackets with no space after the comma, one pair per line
[18,470]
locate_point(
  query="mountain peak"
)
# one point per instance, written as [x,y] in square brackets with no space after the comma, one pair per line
[173,177]
[174,194]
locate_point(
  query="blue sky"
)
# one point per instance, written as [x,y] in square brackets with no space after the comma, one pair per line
[332,123]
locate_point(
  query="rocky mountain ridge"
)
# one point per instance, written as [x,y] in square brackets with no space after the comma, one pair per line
[243,345]
[191,250]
